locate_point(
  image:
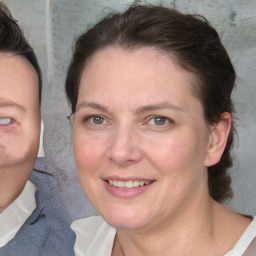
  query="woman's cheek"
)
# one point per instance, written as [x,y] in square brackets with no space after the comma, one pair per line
[85,157]
[89,153]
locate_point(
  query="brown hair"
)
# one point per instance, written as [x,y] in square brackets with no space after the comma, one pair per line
[12,40]
[191,42]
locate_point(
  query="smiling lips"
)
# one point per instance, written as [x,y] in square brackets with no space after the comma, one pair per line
[127,188]
[128,184]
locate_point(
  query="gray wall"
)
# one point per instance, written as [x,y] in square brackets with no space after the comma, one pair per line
[51,27]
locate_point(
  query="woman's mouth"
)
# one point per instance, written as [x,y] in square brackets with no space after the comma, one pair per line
[127,188]
[128,184]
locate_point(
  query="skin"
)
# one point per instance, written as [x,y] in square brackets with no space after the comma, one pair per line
[126,91]
[19,138]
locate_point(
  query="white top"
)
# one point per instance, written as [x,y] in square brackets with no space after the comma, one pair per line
[94,237]
[15,215]
[41,144]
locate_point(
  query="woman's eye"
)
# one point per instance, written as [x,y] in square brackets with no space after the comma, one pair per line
[159,120]
[97,120]
[6,121]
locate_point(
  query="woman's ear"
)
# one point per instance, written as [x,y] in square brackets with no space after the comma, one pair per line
[217,140]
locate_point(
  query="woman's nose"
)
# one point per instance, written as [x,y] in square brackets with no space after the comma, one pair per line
[124,148]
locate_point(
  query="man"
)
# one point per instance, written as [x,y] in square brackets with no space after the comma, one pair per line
[29,224]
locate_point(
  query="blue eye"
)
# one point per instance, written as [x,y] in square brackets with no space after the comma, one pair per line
[97,120]
[160,123]
[6,121]
[159,120]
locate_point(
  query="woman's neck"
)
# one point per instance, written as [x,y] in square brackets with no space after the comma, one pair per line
[191,229]
[202,232]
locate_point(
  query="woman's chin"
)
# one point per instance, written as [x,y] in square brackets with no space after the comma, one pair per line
[125,225]
[126,221]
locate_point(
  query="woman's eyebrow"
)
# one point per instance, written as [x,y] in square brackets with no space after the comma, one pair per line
[146,108]
[158,106]
[10,103]
[93,105]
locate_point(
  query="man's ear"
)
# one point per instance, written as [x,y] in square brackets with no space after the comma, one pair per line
[217,139]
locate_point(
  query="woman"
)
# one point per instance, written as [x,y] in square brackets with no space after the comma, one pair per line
[150,91]
[28,223]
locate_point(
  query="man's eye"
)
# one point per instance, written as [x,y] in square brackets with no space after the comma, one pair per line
[6,121]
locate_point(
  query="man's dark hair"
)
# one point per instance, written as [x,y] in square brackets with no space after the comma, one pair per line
[12,40]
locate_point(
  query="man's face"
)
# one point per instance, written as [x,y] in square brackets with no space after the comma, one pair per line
[19,125]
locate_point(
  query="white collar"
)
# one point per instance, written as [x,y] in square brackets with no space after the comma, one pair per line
[93,237]
[15,215]
[244,241]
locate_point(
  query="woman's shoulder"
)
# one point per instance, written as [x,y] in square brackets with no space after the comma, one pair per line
[251,249]
[246,245]
[93,236]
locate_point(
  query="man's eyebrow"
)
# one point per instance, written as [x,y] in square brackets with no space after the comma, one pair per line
[93,105]
[158,106]
[10,103]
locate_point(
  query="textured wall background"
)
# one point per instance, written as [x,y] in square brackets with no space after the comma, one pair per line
[51,27]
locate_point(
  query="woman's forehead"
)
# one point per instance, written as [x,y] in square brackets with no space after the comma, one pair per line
[144,63]
[143,77]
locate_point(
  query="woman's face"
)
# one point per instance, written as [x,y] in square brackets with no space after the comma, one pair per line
[19,124]
[140,139]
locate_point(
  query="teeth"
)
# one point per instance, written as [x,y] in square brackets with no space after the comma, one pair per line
[120,184]
[136,183]
[127,184]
